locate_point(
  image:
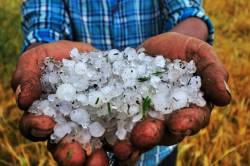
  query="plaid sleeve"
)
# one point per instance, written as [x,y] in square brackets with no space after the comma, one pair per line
[44,21]
[180,10]
[155,156]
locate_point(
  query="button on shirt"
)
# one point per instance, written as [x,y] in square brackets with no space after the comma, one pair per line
[108,24]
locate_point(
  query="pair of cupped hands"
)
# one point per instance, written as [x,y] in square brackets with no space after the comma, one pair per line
[168,131]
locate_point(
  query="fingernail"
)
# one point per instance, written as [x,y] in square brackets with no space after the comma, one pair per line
[188,132]
[18,91]
[33,132]
[40,133]
[135,156]
[88,149]
[227,88]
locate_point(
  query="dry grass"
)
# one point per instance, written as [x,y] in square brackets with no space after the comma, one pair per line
[225,142]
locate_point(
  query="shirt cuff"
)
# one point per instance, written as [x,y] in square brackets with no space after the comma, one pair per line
[41,35]
[185,13]
[155,156]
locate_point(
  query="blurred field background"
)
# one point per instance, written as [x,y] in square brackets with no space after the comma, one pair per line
[225,142]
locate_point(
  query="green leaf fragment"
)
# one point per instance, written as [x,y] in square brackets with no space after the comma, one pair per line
[158,73]
[142,79]
[97,100]
[146,78]
[69,154]
[109,108]
[146,104]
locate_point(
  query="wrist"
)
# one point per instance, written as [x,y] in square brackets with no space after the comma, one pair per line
[194,27]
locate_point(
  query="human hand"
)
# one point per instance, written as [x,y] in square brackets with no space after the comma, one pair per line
[187,121]
[26,84]
[177,46]
[214,77]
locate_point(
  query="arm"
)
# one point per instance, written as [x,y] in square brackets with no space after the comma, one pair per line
[188,27]
[189,18]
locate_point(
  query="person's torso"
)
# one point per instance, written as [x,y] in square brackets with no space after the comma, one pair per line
[117,24]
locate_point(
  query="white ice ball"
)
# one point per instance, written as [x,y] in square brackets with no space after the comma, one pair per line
[121,133]
[81,117]
[60,130]
[80,68]
[82,98]
[179,98]
[96,129]
[159,61]
[74,53]
[66,92]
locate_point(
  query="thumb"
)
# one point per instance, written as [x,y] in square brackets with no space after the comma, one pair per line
[28,89]
[61,49]
[27,75]
[26,78]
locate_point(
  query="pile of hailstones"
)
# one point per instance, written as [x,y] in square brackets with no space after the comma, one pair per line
[102,94]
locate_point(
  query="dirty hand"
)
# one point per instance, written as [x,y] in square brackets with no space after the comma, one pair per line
[26,84]
[187,121]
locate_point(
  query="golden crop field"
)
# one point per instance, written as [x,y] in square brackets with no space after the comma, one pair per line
[226,141]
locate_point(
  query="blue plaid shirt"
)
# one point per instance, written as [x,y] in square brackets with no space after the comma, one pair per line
[108,24]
